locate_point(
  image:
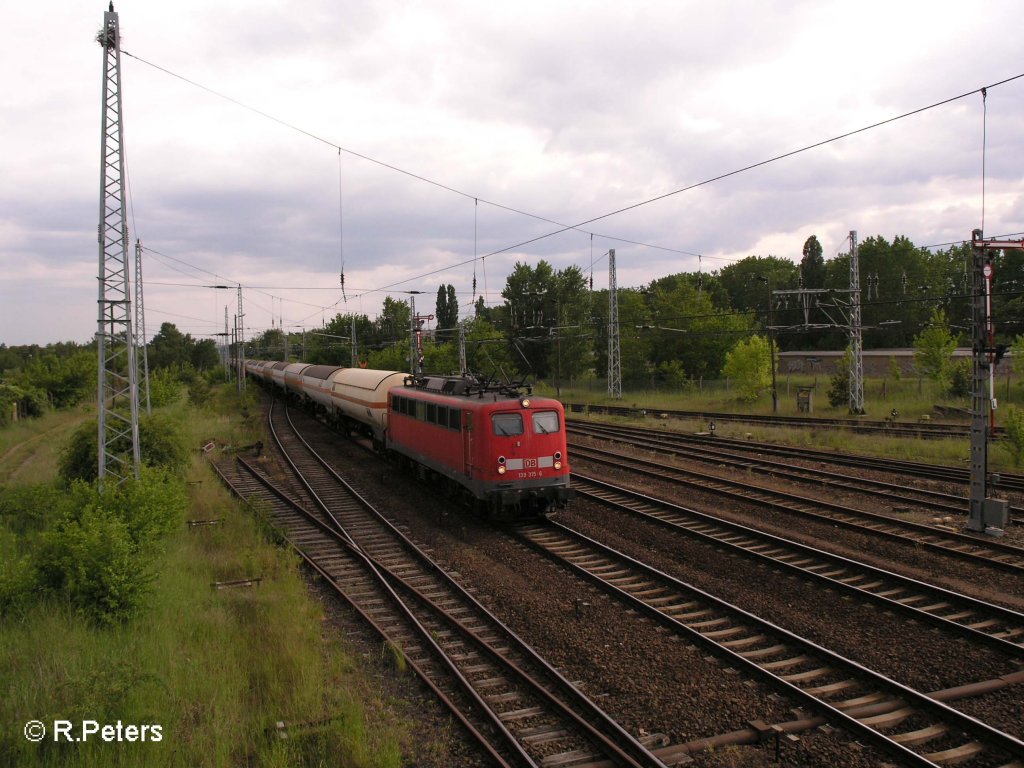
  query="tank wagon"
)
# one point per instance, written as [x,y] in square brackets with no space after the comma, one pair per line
[495,445]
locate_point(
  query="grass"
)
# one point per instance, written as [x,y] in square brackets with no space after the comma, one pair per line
[913,399]
[215,669]
[29,448]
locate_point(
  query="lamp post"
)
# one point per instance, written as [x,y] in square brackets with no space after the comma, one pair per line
[771,341]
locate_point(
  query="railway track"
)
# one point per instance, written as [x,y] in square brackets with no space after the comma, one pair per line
[910,726]
[978,550]
[709,452]
[978,621]
[921,429]
[519,708]
[1003,480]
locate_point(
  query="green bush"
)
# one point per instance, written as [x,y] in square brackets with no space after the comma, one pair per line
[162,443]
[165,388]
[199,391]
[749,365]
[18,584]
[960,378]
[839,388]
[1013,423]
[29,401]
[93,563]
[96,551]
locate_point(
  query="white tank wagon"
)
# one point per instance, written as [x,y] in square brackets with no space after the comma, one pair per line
[274,375]
[360,395]
[254,369]
[315,383]
[293,379]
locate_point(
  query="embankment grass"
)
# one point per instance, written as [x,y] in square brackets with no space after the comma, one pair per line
[30,447]
[215,669]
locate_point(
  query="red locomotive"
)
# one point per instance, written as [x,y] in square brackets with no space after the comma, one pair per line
[503,449]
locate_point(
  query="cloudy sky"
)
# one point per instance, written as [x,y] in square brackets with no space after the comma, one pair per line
[486,112]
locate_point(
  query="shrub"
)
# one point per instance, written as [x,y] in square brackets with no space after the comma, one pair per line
[98,552]
[95,565]
[960,375]
[162,443]
[839,388]
[17,576]
[164,388]
[673,375]
[29,401]
[749,365]
[1013,423]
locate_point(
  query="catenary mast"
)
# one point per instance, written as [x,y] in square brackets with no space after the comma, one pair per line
[118,392]
[614,348]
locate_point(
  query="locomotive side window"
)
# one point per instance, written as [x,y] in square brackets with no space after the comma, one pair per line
[431,413]
[455,419]
[421,410]
[545,422]
[506,424]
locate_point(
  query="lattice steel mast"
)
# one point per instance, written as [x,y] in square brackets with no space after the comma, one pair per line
[240,342]
[118,390]
[142,357]
[856,339]
[614,350]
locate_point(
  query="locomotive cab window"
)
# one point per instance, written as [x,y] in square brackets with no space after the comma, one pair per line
[506,424]
[545,422]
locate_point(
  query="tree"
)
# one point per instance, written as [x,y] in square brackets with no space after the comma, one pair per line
[205,355]
[531,313]
[447,308]
[934,347]
[634,334]
[170,348]
[394,320]
[812,266]
[67,380]
[687,327]
[569,341]
[742,280]
[748,365]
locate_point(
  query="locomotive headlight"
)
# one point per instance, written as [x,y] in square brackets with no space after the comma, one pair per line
[558,465]
[558,455]
[501,469]
[525,402]
[501,459]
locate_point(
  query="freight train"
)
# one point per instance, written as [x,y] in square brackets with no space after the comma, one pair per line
[495,445]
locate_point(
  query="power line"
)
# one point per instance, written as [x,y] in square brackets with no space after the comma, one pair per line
[562,227]
[720,177]
[383,164]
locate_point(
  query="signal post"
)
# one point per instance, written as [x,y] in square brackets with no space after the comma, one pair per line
[985,515]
